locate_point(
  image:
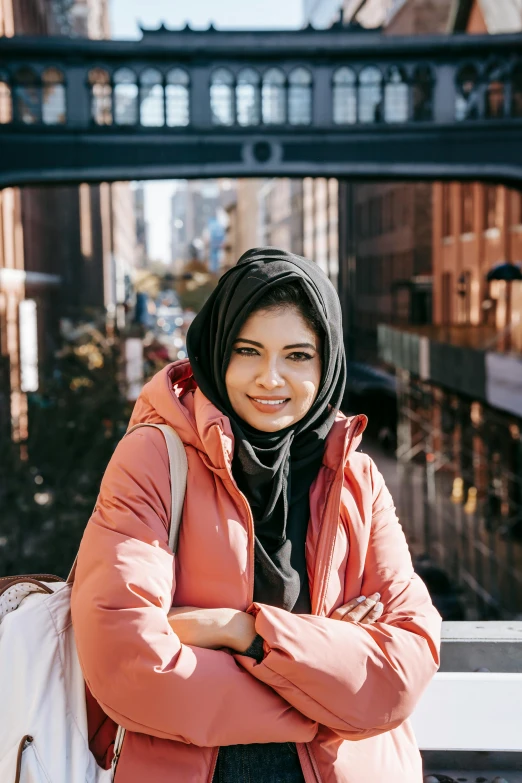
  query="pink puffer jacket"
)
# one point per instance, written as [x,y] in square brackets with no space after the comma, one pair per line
[342,691]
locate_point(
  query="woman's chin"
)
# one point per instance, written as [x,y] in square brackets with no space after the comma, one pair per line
[268,424]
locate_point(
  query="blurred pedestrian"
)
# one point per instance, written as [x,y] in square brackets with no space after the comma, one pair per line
[298,639]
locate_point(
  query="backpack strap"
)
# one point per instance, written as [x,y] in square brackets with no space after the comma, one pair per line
[178,467]
[178,477]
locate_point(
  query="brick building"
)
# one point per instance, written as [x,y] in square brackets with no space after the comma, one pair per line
[63,249]
[386,228]
[460,379]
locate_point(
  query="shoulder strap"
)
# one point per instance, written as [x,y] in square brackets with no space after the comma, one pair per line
[178,482]
[178,477]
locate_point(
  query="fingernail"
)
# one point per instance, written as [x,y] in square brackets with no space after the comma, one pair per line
[379,606]
[361,599]
[376,596]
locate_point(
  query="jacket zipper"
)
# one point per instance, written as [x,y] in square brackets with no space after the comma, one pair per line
[328,543]
[251,536]
[118,746]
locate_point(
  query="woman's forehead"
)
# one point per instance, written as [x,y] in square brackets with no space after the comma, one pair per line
[282,321]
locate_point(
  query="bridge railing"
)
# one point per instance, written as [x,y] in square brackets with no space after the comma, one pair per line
[469,721]
[296,80]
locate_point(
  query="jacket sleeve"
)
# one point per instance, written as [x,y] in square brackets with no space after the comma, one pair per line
[359,680]
[133,663]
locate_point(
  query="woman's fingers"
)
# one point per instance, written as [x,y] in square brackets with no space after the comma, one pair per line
[341,611]
[358,609]
[374,613]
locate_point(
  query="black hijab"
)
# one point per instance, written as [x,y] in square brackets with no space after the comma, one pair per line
[274,470]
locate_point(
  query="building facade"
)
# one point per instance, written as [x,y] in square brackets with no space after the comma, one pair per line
[244,222]
[386,231]
[460,379]
[64,250]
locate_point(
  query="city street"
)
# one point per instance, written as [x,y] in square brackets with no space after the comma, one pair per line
[370,150]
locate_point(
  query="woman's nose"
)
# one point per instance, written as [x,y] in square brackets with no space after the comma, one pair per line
[270,378]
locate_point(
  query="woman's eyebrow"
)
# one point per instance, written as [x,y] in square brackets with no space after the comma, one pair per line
[286,347]
[300,345]
[252,342]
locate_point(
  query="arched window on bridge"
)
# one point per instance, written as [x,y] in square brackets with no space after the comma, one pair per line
[53,105]
[396,95]
[101,96]
[344,96]
[248,98]
[6,105]
[495,76]
[177,95]
[422,93]
[370,95]
[125,97]
[516,90]
[274,97]
[222,97]
[27,96]
[466,101]
[300,97]
[152,99]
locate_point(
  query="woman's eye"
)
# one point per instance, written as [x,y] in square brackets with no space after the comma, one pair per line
[300,356]
[245,351]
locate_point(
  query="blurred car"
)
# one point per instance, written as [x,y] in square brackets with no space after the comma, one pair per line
[373,391]
[445,594]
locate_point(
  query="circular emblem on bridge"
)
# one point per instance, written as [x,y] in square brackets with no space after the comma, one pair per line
[259,152]
[262,151]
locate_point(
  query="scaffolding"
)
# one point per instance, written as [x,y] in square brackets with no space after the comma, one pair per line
[460,478]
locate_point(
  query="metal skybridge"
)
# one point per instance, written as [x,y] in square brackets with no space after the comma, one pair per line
[343,102]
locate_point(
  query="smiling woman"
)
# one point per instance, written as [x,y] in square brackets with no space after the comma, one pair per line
[290,622]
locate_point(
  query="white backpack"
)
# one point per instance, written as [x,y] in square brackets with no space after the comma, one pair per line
[43,719]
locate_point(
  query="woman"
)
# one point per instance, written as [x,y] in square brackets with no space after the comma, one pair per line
[264,669]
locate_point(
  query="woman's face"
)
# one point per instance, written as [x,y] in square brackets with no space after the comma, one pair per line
[274,372]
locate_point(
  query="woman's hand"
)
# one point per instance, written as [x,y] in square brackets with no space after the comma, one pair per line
[213,628]
[360,610]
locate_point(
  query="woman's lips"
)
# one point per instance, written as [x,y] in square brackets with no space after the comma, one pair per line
[268,406]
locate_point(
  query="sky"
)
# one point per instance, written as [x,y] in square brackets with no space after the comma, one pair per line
[225,14]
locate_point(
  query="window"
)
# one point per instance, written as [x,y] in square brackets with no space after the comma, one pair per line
[467,207]
[359,228]
[464,297]
[248,97]
[177,97]
[447,216]
[53,106]
[6,106]
[396,96]
[516,90]
[370,95]
[125,97]
[466,102]
[387,207]
[300,97]
[27,96]
[495,76]
[376,216]
[274,97]
[365,219]
[446,298]
[492,217]
[422,93]
[101,96]
[516,197]
[344,97]
[152,106]
[222,97]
